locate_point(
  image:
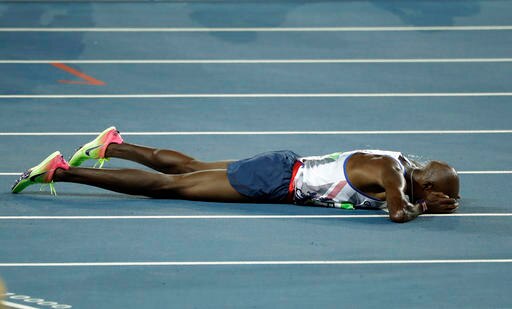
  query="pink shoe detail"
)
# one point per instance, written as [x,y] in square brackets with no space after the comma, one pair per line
[57,162]
[112,137]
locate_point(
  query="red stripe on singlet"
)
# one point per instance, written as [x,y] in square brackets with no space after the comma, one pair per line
[337,189]
[291,186]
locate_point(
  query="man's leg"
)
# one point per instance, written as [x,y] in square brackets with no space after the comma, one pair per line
[209,185]
[162,160]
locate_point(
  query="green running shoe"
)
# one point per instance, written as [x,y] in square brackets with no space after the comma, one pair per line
[41,173]
[96,148]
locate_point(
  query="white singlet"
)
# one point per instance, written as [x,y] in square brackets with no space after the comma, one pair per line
[323,181]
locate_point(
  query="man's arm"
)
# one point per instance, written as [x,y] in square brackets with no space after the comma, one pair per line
[400,209]
[392,180]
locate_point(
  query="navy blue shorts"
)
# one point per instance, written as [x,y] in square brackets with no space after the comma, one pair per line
[264,177]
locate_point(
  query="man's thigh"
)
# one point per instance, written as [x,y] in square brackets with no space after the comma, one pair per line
[208,185]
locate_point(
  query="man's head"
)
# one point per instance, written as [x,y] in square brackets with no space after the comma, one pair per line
[436,176]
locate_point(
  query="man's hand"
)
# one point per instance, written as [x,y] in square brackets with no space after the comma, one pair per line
[440,203]
[393,181]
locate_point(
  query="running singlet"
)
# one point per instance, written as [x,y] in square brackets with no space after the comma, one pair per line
[323,181]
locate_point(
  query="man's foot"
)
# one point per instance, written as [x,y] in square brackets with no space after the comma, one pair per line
[96,148]
[41,173]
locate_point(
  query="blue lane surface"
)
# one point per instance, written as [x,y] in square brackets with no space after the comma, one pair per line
[257,14]
[260,45]
[246,240]
[287,114]
[439,286]
[271,78]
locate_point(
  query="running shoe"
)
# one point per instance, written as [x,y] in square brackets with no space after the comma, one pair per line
[96,148]
[41,173]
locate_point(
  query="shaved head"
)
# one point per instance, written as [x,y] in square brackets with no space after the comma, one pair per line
[443,178]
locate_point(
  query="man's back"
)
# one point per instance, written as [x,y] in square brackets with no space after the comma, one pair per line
[348,177]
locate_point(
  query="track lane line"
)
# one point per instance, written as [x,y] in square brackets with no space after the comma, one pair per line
[483,172]
[259,29]
[242,217]
[255,95]
[459,172]
[245,263]
[257,61]
[9,304]
[172,133]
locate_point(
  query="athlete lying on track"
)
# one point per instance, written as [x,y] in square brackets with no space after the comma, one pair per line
[366,179]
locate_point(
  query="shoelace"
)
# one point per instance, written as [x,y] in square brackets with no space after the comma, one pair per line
[22,176]
[100,162]
[52,188]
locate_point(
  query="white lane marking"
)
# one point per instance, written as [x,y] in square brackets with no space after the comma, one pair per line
[259,29]
[256,61]
[38,301]
[236,263]
[17,306]
[459,172]
[245,217]
[194,217]
[171,133]
[254,95]
[483,172]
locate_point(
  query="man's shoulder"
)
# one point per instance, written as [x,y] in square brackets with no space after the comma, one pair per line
[385,164]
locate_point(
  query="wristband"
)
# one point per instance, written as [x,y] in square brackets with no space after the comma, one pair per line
[423,205]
